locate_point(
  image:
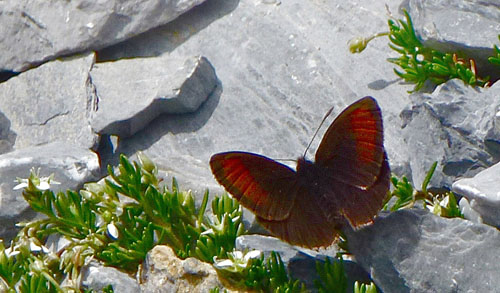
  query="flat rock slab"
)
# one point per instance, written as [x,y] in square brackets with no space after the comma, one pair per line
[33,32]
[133,92]
[483,194]
[53,102]
[416,251]
[71,165]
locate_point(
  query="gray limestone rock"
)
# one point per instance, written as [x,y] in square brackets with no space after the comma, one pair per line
[416,251]
[96,276]
[483,194]
[150,87]
[33,32]
[71,165]
[456,126]
[53,102]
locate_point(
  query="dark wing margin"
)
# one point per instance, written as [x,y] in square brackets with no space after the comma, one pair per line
[260,184]
[352,147]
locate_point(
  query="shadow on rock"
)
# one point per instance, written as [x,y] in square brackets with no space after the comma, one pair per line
[166,38]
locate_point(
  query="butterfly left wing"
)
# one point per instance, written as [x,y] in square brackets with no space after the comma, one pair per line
[260,184]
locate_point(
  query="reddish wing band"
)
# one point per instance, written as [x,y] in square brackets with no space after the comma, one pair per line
[260,184]
[352,147]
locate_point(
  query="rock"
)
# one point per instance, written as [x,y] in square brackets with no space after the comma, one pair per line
[96,276]
[451,126]
[483,194]
[34,32]
[163,271]
[72,166]
[468,212]
[53,102]
[417,251]
[166,85]
[453,26]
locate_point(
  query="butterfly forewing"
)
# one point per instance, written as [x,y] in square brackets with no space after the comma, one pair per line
[260,184]
[352,148]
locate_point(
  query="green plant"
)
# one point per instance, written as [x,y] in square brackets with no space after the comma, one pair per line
[252,271]
[441,204]
[116,221]
[332,276]
[419,63]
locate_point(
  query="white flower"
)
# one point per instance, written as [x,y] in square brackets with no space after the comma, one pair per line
[41,183]
[237,260]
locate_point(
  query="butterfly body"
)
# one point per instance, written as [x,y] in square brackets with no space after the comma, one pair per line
[346,183]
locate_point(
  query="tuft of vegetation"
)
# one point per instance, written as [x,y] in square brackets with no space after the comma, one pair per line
[420,64]
[251,271]
[332,277]
[441,204]
[116,221]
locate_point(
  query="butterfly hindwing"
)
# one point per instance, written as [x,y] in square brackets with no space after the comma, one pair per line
[352,148]
[262,185]
[357,205]
[306,226]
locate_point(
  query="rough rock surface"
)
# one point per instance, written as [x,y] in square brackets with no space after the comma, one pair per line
[96,276]
[483,194]
[454,125]
[163,271]
[53,102]
[166,85]
[71,165]
[416,251]
[33,32]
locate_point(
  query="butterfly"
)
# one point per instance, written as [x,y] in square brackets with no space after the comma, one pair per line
[345,185]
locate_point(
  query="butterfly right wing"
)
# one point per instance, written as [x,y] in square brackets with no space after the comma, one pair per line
[260,184]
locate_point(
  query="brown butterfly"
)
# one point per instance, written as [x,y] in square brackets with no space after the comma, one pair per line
[347,182]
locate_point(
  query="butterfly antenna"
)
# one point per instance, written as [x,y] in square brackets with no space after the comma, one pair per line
[321,124]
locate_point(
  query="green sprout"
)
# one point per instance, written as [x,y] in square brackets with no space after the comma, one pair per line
[444,205]
[419,63]
[364,288]
[495,59]
[332,276]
